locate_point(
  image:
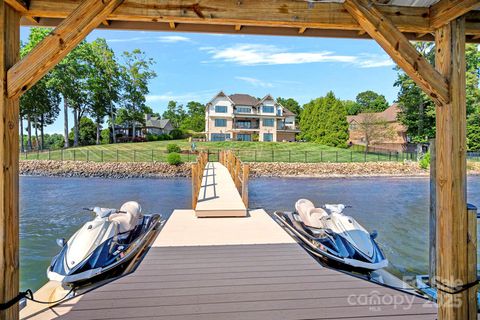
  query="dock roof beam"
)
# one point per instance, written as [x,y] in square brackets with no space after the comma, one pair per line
[445,11]
[51,50]
[380,28]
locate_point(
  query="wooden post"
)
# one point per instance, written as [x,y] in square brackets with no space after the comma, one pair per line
[245,174]
[432,216]
[236,178]
[9,158]
[194,185]
[472,258]
[451,207]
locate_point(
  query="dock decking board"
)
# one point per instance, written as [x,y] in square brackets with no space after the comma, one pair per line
[281,290]
[198,270]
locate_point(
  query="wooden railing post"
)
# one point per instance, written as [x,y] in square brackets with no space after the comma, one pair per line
[194,185]
[237,173]
[245,174]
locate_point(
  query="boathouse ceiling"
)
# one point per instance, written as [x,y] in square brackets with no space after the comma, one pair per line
[416,19]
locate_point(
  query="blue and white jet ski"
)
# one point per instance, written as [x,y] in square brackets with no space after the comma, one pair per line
[337,239]
[103,244]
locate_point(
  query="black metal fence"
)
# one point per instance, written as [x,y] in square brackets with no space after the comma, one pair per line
[159,155]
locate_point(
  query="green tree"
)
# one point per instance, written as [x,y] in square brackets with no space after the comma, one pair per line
[195,117]
[87,133]
[175,113]
[418,111]
[103,84]
[352,107]
[371,101]
[39,104]
[292,105]
[324,121]
[136,73]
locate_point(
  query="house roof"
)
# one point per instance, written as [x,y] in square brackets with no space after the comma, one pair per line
[243,99]
[157,123]
[287,112]
[390,114]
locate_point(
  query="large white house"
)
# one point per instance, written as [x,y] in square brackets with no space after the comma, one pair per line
[241,117]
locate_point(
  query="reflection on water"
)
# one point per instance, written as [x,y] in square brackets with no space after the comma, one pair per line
[397,207]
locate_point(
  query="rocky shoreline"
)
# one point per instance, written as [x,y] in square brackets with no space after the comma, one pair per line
[125,170]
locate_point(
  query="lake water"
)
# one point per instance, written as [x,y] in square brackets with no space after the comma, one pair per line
[397,208]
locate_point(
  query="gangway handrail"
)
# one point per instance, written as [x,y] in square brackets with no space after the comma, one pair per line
[198,168]
[239,172]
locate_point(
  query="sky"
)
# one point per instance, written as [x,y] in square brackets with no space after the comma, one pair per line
[192,66]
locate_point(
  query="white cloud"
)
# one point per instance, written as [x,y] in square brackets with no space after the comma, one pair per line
[163,39]
[182,97]
[259,54]
[256,82]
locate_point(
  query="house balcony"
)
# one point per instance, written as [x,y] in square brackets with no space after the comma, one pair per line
[246,127]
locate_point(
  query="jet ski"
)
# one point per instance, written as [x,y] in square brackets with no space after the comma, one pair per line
[337,239]
[102,245]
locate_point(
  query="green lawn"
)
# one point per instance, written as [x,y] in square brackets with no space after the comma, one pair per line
[248,151]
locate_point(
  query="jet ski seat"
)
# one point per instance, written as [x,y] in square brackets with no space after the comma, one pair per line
[311,216]
[129,217]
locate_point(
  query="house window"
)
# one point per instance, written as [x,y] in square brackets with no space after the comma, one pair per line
[268,109]
[279,112]
[243,124]
[220,122]
[220,136]
[220,109]
[268,122]
[268,137]
[244,110]
[244,137]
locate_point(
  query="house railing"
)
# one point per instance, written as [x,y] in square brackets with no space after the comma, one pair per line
[238,170]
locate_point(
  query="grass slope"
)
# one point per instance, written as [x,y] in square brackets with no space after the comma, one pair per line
[248,151]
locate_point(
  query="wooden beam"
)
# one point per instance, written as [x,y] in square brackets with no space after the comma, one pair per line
[238,27]
[24,74]
[302,30]
[399,48]
[18,5]
[9,153]
[445,11]
[106,23]
[172,25]
[273,13]
[451,205]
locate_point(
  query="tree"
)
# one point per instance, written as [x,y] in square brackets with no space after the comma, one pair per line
[473,132]
[352,107]
[175,113]
[136,73]
[103,84]
[69,77]
[40,103]
[418,111]
[292,105]
[371,101]
[324,121]
[195,117]
[87,132]
[374,129]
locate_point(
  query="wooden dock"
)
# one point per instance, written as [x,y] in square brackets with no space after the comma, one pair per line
[218,195]
[236,268]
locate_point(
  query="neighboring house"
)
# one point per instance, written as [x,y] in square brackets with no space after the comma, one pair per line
[241,117]
[155,125]
[391,135]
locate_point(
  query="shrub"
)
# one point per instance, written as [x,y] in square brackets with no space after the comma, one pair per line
[172,147]
[174,159]
[176,134]
[425,161]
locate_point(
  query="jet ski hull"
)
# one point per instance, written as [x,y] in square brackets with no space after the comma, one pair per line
[321,247]
[107,260]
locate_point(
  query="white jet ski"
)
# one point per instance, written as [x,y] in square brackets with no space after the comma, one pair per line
[103,244]
[336,238]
